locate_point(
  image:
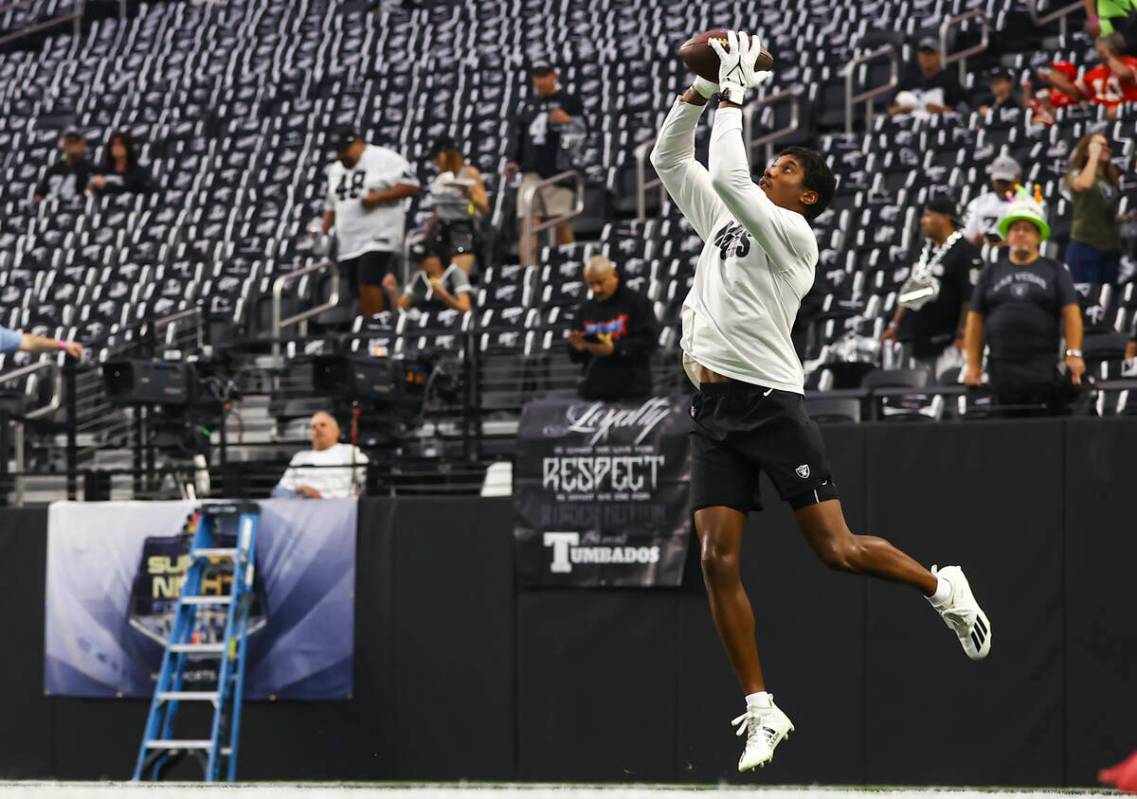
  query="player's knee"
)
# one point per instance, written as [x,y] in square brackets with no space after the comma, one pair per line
[718,565]
[840,554]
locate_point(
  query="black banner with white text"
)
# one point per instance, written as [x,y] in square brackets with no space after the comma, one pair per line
[602,493]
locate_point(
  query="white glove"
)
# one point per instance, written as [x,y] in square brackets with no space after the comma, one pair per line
[738,65]
[705,87]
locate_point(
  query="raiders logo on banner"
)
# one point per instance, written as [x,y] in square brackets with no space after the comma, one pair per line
[601,492]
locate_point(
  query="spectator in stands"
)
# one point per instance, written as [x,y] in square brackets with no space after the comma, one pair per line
[614,336]
[926,87]
[17,341]
[68,177]
[120,171]
[981,219]
[1020,304]
[931,322]
[546,127]
[1002,92]
[1093,180]
[311,473]
[367,186]
[432,287]
[460,201]
[1044,103]
[1110,84]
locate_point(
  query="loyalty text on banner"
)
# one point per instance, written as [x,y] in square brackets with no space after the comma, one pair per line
[601,493]
[115,569]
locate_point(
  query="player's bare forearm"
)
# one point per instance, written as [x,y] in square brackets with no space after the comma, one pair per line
[328,223]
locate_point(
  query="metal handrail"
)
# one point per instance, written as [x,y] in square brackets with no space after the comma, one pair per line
[525,202]
[196,312]
[278,286]
[18,438]
[642,184]
[961,55]
[1059,14]
[867,96]
[76,16]
[56,394]
[768,139]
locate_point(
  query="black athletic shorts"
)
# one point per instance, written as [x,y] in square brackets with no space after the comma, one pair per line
[367,269]
[457,236]
[742,430]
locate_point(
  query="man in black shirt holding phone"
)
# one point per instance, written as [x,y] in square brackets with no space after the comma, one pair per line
[614,336]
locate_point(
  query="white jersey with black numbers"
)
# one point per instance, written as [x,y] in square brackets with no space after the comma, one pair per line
[983,214]
[358,229]
[757,263]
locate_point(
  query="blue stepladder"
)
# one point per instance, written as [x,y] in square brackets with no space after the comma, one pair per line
[207,560]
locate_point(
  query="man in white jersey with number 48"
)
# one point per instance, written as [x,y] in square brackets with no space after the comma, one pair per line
[367,185]
[758,261]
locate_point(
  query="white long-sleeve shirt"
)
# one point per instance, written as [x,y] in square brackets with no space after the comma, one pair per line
[315,468]
[758,258]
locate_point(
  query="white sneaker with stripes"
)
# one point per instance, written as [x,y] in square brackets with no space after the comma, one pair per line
[764,728]
[963,615]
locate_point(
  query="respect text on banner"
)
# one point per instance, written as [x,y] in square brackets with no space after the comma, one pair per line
[601,493]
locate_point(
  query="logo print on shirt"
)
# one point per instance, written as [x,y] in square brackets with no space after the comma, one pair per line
[732,236]
[617,328]
[803,471]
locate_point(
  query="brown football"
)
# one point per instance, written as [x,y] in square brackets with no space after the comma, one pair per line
[703,61]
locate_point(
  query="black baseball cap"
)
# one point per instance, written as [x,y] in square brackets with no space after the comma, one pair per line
[1000,73]
[541,67]
[341,137]
[945,206]
[929,44]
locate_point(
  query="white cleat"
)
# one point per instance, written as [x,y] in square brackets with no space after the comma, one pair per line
[963,615]
[764,728]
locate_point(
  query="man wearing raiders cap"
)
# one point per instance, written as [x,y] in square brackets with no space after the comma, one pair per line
[932,304]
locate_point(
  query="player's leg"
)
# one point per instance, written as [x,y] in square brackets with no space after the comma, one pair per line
[794,438]
[823,525]
[720,543]
[724,486]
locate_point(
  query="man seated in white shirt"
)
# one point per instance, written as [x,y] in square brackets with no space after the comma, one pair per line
[310,473]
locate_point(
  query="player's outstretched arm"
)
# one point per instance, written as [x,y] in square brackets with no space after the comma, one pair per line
[673,157]
[730,179]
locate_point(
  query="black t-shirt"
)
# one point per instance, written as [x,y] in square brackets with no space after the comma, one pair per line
[537,146]
[65,181]
[943,83]
[1022,307]
[932,328]
[628,318]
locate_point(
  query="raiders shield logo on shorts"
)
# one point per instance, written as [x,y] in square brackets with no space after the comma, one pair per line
[803,471]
